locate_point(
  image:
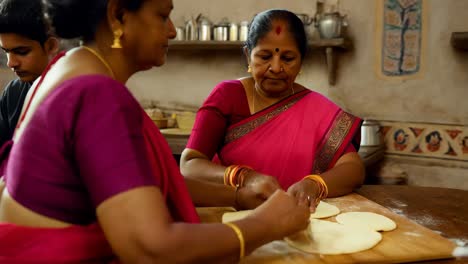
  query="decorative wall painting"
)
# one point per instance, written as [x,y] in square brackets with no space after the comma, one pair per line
[400,38]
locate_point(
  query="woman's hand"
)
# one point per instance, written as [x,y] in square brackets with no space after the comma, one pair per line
[256,189]
[305,189]
[284,214]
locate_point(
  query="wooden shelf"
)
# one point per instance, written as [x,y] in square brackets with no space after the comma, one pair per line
[459,40]
[329,45]
[205,45]
[340,43]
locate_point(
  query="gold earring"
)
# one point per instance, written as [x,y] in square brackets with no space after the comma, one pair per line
[117,35]
[249,69]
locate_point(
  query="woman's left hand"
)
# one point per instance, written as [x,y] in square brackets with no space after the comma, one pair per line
[305,189]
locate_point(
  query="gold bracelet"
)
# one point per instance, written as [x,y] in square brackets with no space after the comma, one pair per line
[240,237]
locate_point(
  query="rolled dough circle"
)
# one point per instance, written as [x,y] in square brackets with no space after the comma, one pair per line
[324,210]
[330,238]
[370,220]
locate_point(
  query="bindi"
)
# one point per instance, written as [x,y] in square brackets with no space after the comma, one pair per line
[277,50]
[278,30]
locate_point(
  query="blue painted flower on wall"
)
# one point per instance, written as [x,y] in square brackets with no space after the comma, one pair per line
[400,139]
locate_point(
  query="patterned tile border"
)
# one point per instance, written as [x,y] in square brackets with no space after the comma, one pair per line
[426,140]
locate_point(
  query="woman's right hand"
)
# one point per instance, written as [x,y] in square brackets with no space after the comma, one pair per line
[257,188]
[283,213]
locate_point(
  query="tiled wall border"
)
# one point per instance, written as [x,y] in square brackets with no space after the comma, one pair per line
[448,142]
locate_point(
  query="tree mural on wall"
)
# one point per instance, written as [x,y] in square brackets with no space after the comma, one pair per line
[402,27]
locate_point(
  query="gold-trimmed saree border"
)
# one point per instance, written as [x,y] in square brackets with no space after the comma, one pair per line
[332,141]
[243,129]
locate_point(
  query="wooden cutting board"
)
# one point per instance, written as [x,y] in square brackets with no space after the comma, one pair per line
[408,242]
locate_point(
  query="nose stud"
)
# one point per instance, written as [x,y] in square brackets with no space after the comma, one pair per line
[281,69]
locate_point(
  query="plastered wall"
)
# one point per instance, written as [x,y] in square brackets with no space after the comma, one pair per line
[438,96]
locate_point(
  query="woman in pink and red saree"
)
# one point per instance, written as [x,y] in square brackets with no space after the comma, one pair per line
[91,180]
[267,132]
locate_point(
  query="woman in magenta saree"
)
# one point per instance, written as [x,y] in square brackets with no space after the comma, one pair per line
[267,132]
[89,177]
[303,134]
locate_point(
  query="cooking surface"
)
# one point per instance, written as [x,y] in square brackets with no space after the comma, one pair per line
[409,242]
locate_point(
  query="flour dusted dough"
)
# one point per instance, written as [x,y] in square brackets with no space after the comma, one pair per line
[330,238]
[370,220]
[234,216]
[323,210]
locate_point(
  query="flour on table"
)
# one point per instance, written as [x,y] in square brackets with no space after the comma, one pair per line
[412,234]
[330,238]
[397,211]
[370,220]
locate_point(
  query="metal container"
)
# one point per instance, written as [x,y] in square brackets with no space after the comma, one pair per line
[180,33]
[331,25]
[243,30]
[221,33]
[205,30]
[221,30]
[370,133]
[191,29]
[233,32]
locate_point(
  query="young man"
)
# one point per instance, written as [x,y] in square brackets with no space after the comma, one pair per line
[25,39]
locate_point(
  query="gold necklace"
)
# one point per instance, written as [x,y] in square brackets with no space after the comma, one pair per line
[95,53]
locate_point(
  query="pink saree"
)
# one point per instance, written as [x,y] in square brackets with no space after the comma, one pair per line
[303,134]
[87,244]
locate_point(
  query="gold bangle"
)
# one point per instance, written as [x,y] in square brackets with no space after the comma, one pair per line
[240,237]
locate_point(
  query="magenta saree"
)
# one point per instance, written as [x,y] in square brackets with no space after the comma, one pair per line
[303,134]
[87,244]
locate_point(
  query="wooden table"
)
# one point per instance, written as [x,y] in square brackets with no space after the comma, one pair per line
[442,210]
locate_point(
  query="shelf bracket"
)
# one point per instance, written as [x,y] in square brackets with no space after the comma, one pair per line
[331,65]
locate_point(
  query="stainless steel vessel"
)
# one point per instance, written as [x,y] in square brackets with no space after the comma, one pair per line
[371,134]
[331,25]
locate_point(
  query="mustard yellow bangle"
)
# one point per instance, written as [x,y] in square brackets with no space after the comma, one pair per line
[240,237]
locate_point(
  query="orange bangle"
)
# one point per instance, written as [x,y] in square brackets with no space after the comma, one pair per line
[227,173]
[234,175]
[323,188]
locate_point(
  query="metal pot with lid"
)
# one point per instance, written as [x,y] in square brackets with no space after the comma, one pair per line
[221,30]
[331,25]
[371,134]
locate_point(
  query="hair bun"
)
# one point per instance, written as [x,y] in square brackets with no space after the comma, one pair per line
[75,18]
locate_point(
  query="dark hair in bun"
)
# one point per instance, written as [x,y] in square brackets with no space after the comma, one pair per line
[79,18]
[262,24]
